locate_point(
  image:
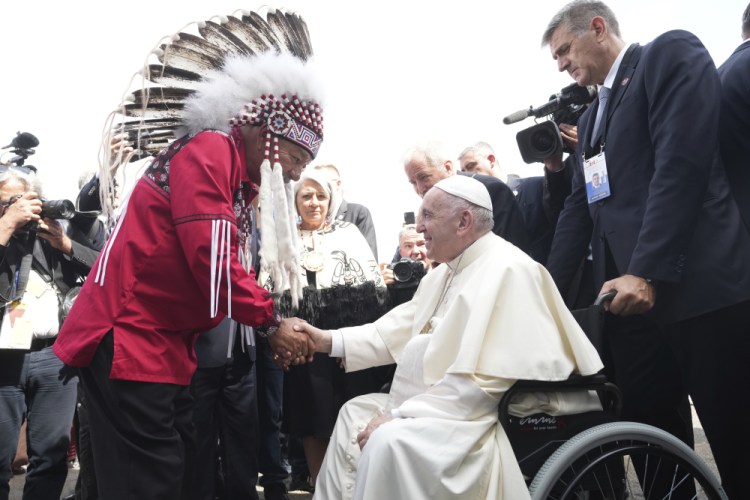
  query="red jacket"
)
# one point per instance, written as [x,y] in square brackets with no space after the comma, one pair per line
[152,283]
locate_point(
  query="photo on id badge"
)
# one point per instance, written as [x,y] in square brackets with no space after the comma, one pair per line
[597,180]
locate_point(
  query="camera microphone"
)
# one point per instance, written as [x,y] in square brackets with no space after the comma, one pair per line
[572,94]
[23,140]
[517,116]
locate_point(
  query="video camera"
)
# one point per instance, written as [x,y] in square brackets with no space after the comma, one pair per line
[23,145]
[543,140]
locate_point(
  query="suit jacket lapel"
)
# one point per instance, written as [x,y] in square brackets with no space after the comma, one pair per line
[623,77]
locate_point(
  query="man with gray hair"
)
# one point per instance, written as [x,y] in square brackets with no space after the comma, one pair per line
[480,159]
[667,236]
[427,164]
[471,330]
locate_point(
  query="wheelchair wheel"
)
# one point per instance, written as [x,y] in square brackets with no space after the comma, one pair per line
[625,460]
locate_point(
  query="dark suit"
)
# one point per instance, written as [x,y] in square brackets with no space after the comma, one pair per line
[540,200]
[509,223]
[359,215]
[670,218]
[734,125]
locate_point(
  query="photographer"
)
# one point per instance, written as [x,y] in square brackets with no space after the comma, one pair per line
[403,282]
[39,265]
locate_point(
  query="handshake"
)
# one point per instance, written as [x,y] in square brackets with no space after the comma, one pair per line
[296,341]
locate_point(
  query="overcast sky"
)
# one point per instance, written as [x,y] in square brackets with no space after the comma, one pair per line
[397,72]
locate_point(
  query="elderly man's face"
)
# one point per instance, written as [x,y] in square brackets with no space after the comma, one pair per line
[580,56]
[422,176]
[477,164]
[293,159]
[439,225]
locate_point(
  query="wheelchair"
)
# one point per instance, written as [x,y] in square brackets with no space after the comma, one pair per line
[593,455]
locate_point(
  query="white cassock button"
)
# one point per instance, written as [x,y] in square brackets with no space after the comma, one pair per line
[349,486]
[354,440]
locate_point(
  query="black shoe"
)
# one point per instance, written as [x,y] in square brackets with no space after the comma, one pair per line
[275,491]
[302,484]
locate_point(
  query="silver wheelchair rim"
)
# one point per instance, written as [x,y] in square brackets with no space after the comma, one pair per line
[588,441]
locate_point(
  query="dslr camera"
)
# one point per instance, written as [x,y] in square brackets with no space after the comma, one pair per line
[23,145]
[543,140]
[407,273]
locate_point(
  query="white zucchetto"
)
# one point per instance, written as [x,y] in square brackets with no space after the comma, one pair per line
[466,188]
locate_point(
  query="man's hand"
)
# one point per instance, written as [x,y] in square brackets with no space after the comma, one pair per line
[635,295]
[376,422]
[320,339]
[120,150]
[569,135]
[387,273]
[52,231]
[22,210]
[290,346]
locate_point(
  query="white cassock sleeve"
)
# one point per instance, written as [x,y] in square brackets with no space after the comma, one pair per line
[456,397]
[367,348]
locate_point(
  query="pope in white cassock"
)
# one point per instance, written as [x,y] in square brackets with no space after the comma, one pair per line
[487,316]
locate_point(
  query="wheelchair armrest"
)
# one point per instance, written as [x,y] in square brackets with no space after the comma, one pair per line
[609,394]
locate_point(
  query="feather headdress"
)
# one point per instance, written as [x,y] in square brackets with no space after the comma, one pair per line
[247,68]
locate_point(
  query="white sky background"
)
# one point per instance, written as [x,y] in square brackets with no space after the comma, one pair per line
[397,72]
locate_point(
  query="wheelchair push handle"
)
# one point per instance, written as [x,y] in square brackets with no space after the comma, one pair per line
[605,297]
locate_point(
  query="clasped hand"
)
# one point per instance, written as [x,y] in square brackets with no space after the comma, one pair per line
[291,346]
[635,295]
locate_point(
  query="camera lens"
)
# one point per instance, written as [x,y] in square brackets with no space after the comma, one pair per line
[402,271]
[542,141]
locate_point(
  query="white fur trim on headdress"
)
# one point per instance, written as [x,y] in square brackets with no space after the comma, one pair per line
[223,94]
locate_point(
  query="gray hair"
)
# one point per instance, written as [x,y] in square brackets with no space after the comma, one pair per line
[746,23]
[407,227]
[483,220]
[27,177]
[329,168]
[431,152]
[577,16]
[481,148]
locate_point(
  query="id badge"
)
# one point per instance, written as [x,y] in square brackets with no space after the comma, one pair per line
[16,330]
[597,179]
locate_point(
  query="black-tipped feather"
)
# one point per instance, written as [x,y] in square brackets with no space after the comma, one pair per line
[173,77]
[222,37]
[264,32]
[289,33]
[186,58]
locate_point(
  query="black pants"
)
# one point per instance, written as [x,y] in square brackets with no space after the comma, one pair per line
[226,413]
[270,393]
[639,359]
[86,483]
[141,432]
[714,354]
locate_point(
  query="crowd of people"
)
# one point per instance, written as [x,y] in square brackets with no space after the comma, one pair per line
[232,324]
